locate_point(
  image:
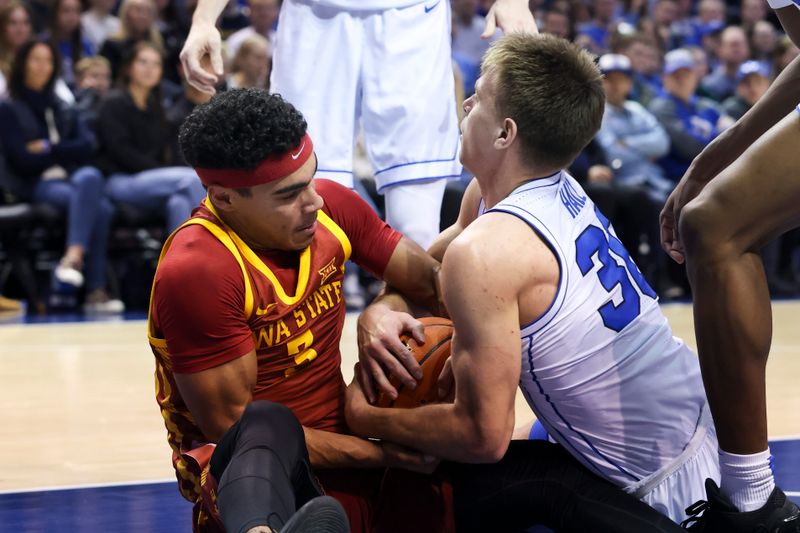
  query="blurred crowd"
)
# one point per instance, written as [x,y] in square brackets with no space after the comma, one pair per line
[92,96]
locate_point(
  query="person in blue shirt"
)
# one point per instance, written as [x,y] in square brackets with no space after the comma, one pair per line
[690,122]
[631,136]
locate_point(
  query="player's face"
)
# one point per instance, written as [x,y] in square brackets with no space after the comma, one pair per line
[479,125]
[282,215]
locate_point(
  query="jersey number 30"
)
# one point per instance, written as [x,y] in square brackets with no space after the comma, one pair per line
[602,242]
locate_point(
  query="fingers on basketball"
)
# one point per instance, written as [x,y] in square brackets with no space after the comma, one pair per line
[431,356]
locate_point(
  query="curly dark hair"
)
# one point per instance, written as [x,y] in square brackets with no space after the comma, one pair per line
[240,128]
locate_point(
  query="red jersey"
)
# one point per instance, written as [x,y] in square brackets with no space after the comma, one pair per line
[215,299]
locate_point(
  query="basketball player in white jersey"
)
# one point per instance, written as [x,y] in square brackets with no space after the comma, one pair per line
[386,63]
[543,295]
[741,192]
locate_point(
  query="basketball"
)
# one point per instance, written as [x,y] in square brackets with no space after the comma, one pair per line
[431,356]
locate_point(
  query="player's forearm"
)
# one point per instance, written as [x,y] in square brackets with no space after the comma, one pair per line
[207,12]
[333,450]
[781,98]
[446,431]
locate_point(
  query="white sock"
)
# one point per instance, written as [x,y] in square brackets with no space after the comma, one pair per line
[746,480]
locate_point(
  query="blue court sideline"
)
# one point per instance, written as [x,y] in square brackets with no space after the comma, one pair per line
[159,508]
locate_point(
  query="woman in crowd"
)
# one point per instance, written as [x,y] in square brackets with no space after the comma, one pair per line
[15,30]
[48,151]
[64,31]
[251,65]
[134,141]
[137,23]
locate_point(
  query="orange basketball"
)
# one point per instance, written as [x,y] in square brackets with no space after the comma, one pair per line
[431,356]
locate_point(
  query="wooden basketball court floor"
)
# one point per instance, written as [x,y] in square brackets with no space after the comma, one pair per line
[83,447]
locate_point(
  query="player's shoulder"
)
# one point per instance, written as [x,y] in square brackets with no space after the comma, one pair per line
[196,253]
[332,190]
[499,242]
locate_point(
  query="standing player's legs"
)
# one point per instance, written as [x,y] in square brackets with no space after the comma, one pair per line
[749,203]
[409,113]
[316,68]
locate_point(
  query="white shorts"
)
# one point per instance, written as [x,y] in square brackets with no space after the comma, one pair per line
[391,68]
[674,488]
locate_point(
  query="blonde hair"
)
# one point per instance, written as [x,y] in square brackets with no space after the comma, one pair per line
[251,44]
[124,33]
[6,53]
[552,90]
[86,63]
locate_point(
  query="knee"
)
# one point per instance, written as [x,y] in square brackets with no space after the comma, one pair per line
[702,227]
[88,177]
[263,420]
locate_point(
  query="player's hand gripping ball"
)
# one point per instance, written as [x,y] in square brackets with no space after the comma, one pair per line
[431,356]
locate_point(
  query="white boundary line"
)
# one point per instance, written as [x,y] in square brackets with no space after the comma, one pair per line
[90,486]
[785,437]
[794,494]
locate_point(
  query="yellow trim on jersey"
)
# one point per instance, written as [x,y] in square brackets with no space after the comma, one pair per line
[253,259]
[226,240]
[338,232]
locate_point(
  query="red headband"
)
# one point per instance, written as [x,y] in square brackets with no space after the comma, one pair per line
[271,169]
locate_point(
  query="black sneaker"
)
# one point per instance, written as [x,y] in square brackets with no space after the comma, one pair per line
[322,514]
[778,515]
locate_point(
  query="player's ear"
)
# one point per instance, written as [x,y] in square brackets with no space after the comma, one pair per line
[221,197]
[506,135]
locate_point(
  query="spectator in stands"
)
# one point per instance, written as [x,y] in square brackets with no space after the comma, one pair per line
[64,31]
[752,81]
[15,30]
[784,53]
[646,65]
[733,51]
[665,14]
[251,64]
[751,13]
[631,136]
[134,144]
[137,23]
[263,15]
[98,22]
[48,150]
[710,14]
[690,122]
[557,22]
[180,108]
[763,40]
[93,80]
[593,35]
[467,29]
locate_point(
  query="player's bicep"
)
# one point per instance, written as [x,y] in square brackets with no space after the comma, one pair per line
[486,343]
[217,397]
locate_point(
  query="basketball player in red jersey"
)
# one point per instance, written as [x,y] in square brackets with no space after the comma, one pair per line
[245,324]
[247,305]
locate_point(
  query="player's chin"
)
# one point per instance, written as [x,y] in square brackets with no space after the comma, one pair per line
[305,234]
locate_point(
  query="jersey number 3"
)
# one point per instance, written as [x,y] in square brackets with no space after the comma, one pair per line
[302,352]
[602,242]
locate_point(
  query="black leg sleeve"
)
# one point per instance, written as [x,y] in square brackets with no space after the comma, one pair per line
[261,464]
[538,482]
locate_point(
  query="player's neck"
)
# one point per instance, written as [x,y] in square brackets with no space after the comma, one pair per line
[498,185]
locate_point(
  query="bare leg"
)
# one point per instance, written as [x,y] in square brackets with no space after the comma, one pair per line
[754,200]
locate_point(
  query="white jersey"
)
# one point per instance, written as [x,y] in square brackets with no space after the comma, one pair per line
[370,5]
[601,369]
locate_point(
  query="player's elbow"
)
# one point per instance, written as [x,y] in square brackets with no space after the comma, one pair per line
[488,443]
